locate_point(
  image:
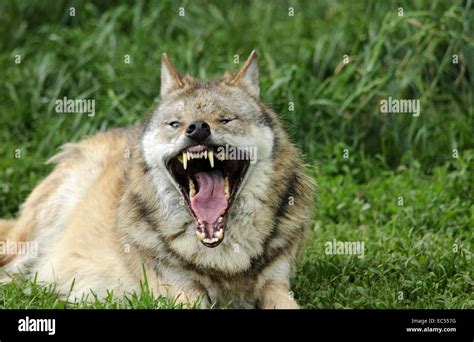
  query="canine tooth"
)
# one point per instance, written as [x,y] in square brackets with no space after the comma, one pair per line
[200,235]
[192,189]
[211,157]
[226,187]
[185,160]
[219,234]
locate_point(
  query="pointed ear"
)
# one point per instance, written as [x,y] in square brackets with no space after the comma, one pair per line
[248,75]
[170,78]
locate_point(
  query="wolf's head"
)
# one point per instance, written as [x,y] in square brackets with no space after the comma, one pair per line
[206,139]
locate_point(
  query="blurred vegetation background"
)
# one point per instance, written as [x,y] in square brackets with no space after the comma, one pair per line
[336,105]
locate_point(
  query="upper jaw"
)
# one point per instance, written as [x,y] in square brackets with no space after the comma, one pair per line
[209,184]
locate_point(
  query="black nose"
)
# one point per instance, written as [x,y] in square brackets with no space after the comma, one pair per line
[198,130]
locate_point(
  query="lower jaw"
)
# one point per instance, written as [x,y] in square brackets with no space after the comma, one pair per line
[210,241]
[212,245]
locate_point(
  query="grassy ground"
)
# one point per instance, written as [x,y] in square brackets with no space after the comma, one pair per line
[416,255]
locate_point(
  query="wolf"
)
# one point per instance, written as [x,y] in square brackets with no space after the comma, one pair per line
[162,199]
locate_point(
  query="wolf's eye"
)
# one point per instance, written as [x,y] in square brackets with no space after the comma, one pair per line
[174,124]
[226,121]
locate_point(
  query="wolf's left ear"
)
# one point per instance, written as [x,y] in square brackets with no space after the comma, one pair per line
[170,78]
[248,75]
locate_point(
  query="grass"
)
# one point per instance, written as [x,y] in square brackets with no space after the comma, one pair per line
[416,256]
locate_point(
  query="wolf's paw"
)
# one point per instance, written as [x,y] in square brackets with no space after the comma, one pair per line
[277,297]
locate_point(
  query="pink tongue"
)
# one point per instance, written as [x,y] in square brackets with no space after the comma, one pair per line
[210,201]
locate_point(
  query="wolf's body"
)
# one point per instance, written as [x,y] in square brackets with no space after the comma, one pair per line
[109,211]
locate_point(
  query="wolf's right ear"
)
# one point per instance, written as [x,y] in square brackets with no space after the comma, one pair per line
[170,78]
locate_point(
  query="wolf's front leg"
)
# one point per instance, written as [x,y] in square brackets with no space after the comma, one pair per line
[189,296]
[183,289]
[277,296]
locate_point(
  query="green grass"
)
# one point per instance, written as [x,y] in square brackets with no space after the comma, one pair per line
[411,260]
[423,248]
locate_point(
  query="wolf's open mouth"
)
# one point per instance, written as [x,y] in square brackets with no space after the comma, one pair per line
[209,183]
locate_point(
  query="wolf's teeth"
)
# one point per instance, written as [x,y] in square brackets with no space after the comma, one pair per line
[206,240]
[200,235]
[205,154]
[220,219]
[192,189]
[219,234]
[185,160]
[210,154]
[226,187]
